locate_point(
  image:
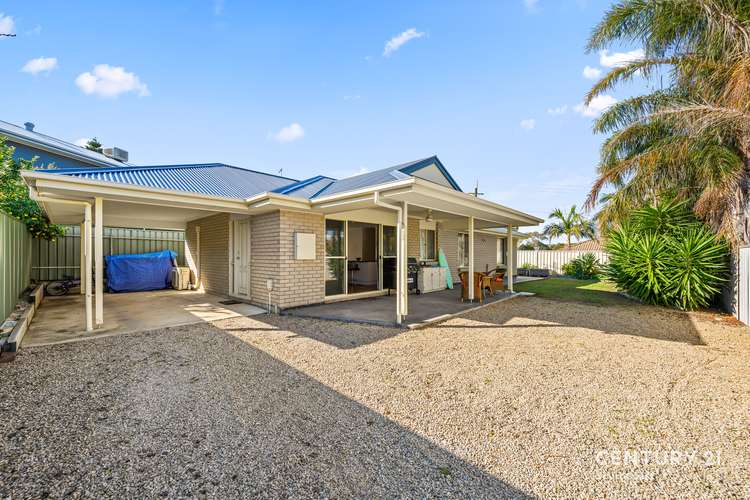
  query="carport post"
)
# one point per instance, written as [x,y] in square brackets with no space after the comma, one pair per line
[405,260]
[509,260]
[86,275]
[470,277]
[82,232]
[99,253]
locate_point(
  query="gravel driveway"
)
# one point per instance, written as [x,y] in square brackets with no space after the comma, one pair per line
[523,398]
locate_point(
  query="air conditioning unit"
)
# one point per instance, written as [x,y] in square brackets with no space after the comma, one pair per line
[116,154]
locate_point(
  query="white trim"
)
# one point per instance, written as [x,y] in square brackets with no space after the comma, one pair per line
[99,261]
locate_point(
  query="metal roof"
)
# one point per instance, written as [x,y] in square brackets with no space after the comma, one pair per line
[214,179]
[308,187]
[16,133]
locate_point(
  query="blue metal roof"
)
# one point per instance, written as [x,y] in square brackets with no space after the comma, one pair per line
[214,179]
[218,179]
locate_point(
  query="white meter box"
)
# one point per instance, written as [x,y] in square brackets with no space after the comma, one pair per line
[304,246]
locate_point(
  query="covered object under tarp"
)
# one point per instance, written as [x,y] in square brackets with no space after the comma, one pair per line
[139,272]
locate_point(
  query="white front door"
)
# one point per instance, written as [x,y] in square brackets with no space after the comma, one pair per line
[242,257]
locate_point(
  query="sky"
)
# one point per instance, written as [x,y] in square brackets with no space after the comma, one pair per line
[335,88]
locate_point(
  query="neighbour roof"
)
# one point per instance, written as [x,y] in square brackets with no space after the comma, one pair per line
[587,245]
[214,179]
[14,132]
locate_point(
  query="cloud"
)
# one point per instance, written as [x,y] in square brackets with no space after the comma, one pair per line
[7,25]
[597,105]
[617,59]
[528,124]
[218,7]
[397,41]
[289,133]
[531,5]
[110,81]
[560,110]
[35,31]
[82,142]
[39,65]
[354,97]
[591,73]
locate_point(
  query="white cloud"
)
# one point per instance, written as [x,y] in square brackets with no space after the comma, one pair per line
[531,5]
[591,73]
[528,124]
[289,133]
[82,142]
[110,81]
[560,110]
[7,25]
[40,64]
[617,59]
[597,105]
[354,97]
[397,41]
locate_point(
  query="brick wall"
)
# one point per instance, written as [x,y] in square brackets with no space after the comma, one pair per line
[412,238]
[300,282]
[213,260]
[264,256]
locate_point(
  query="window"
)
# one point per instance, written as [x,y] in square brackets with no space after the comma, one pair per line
[427,244]
[389,241]
[463,250]
[502,255]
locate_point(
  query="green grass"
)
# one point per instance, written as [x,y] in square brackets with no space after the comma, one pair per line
[591,291]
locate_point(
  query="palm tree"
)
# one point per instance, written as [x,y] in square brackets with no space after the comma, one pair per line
[688,140]
[570,224]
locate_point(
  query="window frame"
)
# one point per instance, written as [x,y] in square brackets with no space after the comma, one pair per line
[423,244]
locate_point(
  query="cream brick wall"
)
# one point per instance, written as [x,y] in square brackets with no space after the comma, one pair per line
[264,256]
[213,260]
[301,282]
[412,238]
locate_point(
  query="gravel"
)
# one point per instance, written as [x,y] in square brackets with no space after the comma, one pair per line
[527,397]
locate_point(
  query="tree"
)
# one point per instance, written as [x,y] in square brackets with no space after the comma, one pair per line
[14,196]
[93,144]
[569,224]
[533,241]
[688,139]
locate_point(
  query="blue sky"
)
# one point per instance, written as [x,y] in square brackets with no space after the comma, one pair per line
[490,87]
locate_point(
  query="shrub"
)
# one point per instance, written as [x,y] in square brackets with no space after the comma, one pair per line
[527,265]
[663,255]
[584,267]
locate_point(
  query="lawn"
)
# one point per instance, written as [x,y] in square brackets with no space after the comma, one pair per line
[590,291]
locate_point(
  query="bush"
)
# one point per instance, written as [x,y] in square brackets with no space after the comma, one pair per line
[585,267]
[527,265]
[663,255]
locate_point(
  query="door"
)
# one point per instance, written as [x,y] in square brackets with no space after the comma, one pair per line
[388,258]
[242,257]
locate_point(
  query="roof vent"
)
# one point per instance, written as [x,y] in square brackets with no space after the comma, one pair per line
[29,126]
[115,153]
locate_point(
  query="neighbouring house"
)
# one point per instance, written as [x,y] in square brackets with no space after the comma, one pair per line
[585,246]
[265,238]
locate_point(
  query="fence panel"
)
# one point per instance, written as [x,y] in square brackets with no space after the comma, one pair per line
[554,259]
[54,259]
[15,262]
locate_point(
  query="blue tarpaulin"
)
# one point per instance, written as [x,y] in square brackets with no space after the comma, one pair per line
[138,272]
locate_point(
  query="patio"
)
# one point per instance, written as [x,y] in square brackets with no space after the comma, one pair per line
[423,309]
[60,319]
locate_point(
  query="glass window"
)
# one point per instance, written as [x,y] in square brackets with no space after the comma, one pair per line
[389,240]
[463,249]
[501,253]
[335,269]
[335,238]
[427,244]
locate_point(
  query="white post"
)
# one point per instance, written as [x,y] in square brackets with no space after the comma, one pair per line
[399,268]
[405,259]
[470,277]
[86,276]
[82,232]
[99,254]
[510,259]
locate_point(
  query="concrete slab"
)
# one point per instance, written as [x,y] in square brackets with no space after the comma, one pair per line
[61,319]
[423,308]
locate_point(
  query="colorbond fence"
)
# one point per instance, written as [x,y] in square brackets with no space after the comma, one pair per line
[54,259]
[554,259]
[15,262]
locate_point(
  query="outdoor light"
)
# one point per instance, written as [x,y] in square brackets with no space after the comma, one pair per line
[429,215]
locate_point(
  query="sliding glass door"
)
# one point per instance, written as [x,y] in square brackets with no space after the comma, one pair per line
[389,257]
[335,270]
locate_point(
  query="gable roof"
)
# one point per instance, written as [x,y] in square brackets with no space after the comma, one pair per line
[398,172]
[17,134]
[214,179]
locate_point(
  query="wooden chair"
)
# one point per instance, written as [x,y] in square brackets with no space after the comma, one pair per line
[498,280]
[478,291]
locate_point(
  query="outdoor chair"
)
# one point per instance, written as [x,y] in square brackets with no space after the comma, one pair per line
[478,291]
[498,279]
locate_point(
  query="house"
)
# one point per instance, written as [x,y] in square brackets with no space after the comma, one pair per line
[585,246]
[48,151]
[268,239]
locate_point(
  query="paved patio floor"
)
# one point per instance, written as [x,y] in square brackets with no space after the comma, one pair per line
[423,308]
[62,319]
